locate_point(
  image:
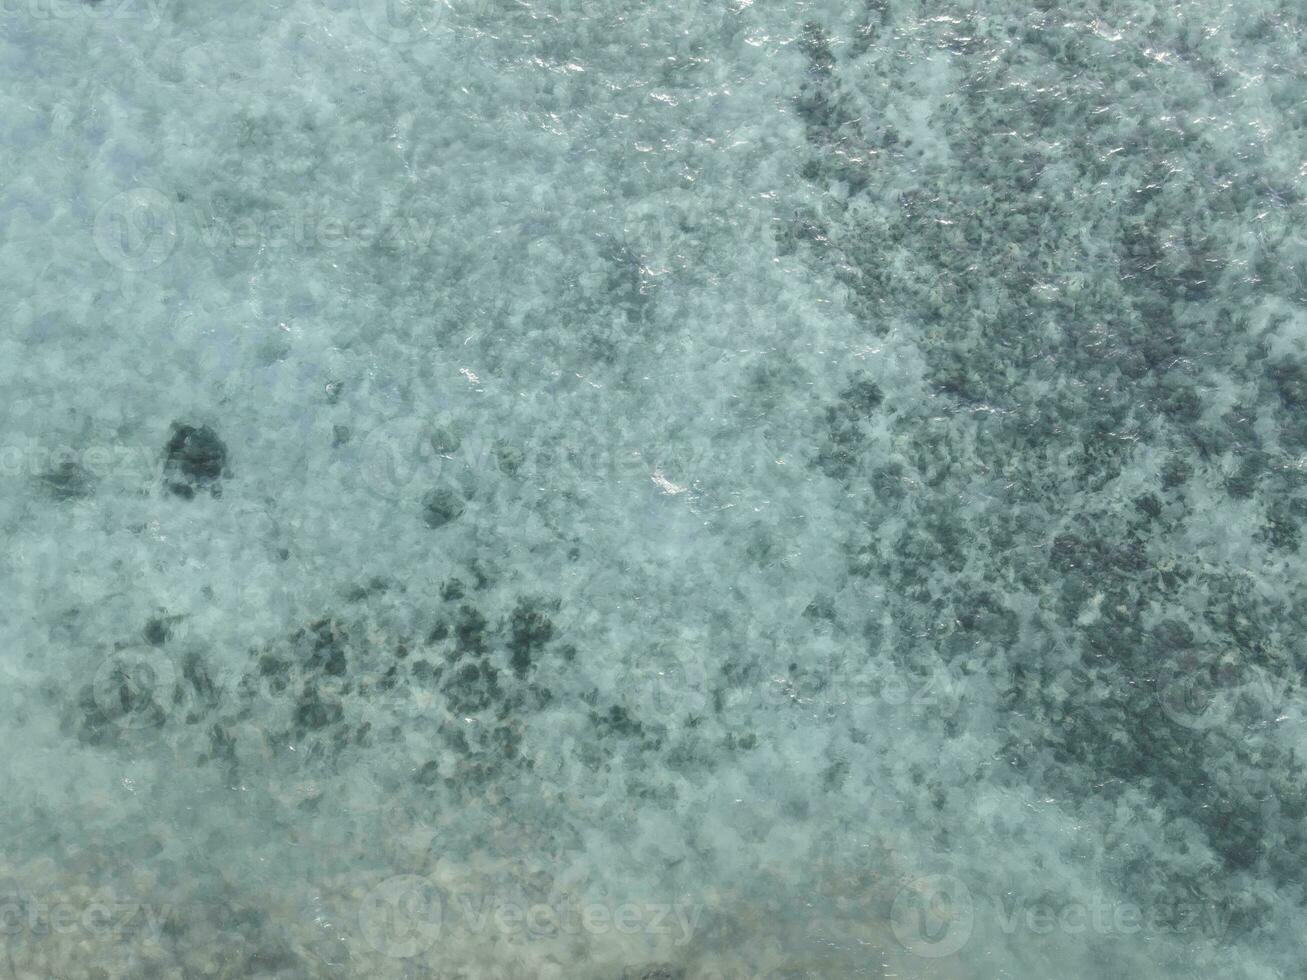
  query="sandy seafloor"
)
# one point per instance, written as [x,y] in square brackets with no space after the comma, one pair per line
[572,489]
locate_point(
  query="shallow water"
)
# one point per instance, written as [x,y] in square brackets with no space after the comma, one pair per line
[652,491]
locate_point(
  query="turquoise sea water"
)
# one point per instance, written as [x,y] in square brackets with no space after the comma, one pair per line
[497,489]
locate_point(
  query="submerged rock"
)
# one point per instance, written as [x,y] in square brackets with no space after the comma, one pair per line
[157,631]
[194,459]
[68,481]
[659,971]
[439,507]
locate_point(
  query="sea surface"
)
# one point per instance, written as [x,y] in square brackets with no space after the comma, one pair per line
[613,490]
